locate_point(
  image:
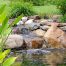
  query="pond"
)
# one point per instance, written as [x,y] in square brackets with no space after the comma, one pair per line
[40,57]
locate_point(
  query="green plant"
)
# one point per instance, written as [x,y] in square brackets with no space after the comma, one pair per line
[6,61]
[35,2]
[62,18]
[5,30]
[62,6]
[18,8]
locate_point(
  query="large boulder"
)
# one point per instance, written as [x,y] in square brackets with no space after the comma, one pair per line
[55,37]
[14,41]
[33,42]
[39,32]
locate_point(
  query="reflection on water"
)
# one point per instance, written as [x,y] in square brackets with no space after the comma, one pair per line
[54,58]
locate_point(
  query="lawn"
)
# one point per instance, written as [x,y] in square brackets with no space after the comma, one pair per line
[46,10]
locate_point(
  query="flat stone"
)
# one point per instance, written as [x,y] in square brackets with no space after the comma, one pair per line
[39,32]
[55,37]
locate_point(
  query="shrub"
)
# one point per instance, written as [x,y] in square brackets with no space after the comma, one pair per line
[63,18]
[36,2]
[21,8]
[62,6]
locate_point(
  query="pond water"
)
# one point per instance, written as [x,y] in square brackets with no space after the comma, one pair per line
[40,57]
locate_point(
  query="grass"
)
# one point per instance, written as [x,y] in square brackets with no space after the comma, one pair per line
[40,10]
[46,10]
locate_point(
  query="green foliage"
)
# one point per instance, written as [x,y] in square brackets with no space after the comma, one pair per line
[38,2]
[62,19]
[3,55]
[62,6]
[18,8]
[5,30]
[16,20]
[42,2]
[8,61]
[32,63]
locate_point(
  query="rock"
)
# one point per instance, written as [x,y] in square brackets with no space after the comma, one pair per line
[37,43]
[37,51]
[34,26]
[50,20]
[63,28]
[44,46]
[54,24]
[55,37]
[46,17]
[36,17]
[25,31]
[33,42]
[39,32]
[14,41]
[29,21]
[49,23]
[56,16]
[20,23]
[45,27]
[44,20]
[62,24]
[37,21]
[24,19]
[11,21]
[16,30]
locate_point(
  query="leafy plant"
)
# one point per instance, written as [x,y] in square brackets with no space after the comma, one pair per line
[18,8]
[62,19]
[8,61]
[62,6]
[5,30]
